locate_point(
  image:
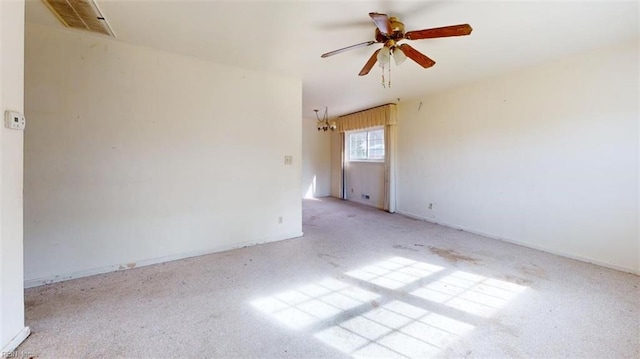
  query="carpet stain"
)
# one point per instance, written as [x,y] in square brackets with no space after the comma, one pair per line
[398,246]
[452,256]
[534,270]
[507,330]
[128,266]
[324,256]
[510,351]
[308,221]
[517,280]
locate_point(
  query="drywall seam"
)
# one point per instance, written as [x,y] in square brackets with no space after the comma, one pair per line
[30,283]
[539,248]
[8,350]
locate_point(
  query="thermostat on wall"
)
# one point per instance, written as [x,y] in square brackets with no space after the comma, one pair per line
[14,120]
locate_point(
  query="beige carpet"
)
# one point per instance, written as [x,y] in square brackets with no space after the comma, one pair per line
[361,283]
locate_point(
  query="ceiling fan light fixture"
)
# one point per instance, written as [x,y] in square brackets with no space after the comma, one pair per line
[383,56]
[398,56]
[390,31]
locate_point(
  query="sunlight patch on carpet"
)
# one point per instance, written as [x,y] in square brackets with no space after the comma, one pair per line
[471,293]
[395,272]
[303,306]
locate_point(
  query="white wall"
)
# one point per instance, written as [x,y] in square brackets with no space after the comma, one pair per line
[135,156]
[12,329]
[316,160]
[546,157]
[365,178]
[336,164]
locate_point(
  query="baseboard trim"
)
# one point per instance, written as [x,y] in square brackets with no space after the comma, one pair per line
[532,246]
[369,204]
[8,350]
[35,282]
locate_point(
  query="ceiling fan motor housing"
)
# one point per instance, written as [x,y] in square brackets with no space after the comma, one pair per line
[397,31]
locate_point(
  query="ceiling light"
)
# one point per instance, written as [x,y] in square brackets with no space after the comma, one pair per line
[398,56]
[383,56]
[324,124]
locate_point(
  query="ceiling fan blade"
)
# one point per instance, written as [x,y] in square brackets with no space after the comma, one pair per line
[369,65]
[417,56]
[335,52]
[382,22]
[447,31]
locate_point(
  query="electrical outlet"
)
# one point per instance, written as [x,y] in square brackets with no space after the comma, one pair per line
[288,160]
[430,205]
[280,220]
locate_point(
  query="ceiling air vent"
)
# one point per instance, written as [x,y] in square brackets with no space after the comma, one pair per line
[80,14]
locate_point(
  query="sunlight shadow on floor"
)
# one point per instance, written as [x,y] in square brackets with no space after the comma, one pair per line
[396,329]
[309,304]
[383,326]
[395,272]
[470,293]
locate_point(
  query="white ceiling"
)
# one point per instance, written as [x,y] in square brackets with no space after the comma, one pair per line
[288,37]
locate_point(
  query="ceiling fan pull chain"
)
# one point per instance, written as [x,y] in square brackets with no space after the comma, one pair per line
[383,85]
[389,71]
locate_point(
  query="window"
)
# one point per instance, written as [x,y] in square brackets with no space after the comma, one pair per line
[366,145]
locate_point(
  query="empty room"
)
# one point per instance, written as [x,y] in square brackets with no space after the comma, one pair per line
[319,179]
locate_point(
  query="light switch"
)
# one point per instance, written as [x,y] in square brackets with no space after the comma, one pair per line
[288,160]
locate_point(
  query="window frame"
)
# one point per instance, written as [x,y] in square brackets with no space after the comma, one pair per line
[367,131]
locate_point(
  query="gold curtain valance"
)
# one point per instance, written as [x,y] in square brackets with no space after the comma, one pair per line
[378,116]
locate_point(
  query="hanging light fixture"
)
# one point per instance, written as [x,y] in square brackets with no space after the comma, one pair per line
[384,56]
[398,56]
[324,124]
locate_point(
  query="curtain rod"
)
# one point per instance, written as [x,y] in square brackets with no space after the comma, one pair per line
[353,113]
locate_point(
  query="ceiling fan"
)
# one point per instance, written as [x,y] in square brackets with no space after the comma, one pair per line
[390,31]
